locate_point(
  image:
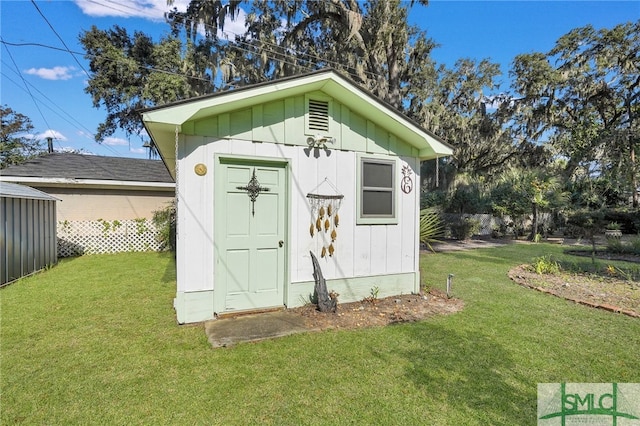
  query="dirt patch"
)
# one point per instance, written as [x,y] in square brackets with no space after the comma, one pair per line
[608,293]
[380,312]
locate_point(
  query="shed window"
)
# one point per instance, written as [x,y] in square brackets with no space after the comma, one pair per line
[377,193]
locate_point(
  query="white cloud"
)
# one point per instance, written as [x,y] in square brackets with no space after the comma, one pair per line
[148,9]
[111,141]
[235,27]
[55,73]
[138,150]
[51,134]
[73,150]
[154,10]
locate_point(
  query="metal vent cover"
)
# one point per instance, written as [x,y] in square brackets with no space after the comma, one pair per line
[318,115]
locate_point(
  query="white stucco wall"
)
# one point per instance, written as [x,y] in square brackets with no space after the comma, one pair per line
[80,204]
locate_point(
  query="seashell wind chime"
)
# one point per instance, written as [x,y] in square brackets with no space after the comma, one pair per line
[325,219]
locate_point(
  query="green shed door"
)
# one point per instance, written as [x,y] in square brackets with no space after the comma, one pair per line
[250,235]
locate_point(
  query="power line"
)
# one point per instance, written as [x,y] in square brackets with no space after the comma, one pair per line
[29,91]
[272,50]
[149,68]
[270,47]
[77,124]
[59,38]
[113,8]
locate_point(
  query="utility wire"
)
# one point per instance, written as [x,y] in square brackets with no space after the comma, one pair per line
[273,50]
[59,38]
[266,45]
[113,8]
[149,68]
[77,124]
[24,81]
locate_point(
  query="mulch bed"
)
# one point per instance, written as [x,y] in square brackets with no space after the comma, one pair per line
[381,312]
[607,293]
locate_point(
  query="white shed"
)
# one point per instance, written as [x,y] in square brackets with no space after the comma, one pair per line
[268,173]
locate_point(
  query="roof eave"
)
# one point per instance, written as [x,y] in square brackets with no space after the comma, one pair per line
[162,122]
[93,183]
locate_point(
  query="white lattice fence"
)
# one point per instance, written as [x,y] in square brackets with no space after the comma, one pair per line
[103,236]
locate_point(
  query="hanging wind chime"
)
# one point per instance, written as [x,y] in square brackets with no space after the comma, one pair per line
[325,219]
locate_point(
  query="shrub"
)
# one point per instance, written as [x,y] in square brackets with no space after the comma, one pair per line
[635,245]
[463,229]
[614,245]
[546,265]
[165,222]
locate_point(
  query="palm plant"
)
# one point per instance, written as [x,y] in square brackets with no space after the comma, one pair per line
[431,226]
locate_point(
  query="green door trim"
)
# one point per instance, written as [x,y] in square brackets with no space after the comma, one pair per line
[219,211]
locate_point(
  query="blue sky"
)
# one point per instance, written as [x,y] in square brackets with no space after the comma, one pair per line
[47,85]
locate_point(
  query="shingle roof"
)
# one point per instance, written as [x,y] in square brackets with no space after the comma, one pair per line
[78,166]
[13,190]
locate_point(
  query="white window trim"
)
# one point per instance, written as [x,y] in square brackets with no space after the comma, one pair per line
[376,219]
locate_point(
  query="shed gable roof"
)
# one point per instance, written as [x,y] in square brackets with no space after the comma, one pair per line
[13,190]
[161,122]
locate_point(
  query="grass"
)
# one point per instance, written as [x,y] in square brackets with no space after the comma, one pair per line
[94,341]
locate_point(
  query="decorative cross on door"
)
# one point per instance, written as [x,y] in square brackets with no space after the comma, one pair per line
[253,189]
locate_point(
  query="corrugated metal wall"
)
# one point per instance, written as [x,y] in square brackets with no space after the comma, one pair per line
[27,237]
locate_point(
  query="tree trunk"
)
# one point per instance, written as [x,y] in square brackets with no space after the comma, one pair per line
[325,303]
[534,226]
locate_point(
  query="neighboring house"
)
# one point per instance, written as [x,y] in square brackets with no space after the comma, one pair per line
[92,187]
[105,203]
[256,167]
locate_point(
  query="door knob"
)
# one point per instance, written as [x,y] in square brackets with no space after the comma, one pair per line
[280,243]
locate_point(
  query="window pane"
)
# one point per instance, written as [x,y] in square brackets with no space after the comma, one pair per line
[377,175]
[377,203]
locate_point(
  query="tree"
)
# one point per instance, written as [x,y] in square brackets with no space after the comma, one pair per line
[520,192]
[585,95]
[453,105]
[371,41]
[132,72]
[16,143]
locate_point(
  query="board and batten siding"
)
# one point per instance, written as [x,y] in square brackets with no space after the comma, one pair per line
[283,122]
[363,252]
[382,256]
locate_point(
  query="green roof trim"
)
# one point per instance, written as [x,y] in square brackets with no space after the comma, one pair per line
[161,121]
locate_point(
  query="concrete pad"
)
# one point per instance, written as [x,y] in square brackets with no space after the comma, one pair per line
[253,327]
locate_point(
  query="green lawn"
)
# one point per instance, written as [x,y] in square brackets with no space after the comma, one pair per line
[94,341]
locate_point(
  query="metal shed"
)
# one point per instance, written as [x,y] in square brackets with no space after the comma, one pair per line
[28,233]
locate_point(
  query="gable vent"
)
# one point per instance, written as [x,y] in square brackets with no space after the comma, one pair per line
[318,115]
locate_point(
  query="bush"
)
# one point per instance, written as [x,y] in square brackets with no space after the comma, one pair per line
[464,229]
[635,245]
[165,221]
[434,198]
[586,223]
[614,245]
[627,219]
[546,265]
